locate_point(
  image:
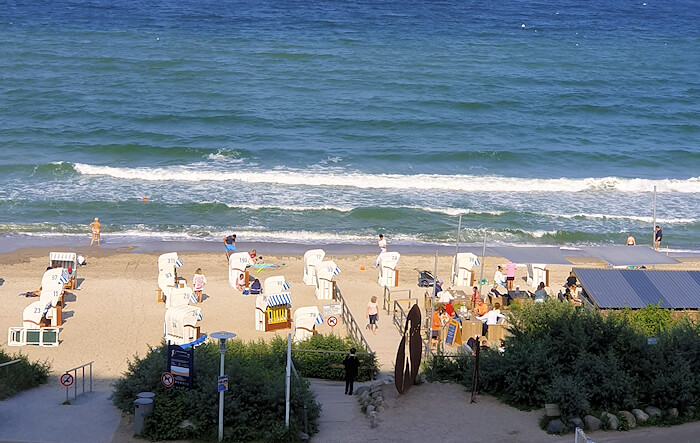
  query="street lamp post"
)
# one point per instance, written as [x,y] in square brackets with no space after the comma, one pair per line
[222,336]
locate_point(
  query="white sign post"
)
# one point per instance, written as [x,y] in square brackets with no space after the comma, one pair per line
[222,337]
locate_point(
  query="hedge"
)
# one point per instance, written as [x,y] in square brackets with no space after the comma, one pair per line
[588,361]
[22,375]
[254,405]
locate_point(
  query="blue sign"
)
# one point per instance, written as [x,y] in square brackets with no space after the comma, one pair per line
[222,384]
[181,365]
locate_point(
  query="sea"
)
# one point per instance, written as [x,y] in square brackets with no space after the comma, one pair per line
[305,122]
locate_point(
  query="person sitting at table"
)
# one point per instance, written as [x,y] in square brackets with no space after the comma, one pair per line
[475,296]
[438,287]
[498,278]
[484,344]
[472,343]
[435,330]
[450,309]
[481,308]
[540,293]
[490,318]
[575,299]
[571,280]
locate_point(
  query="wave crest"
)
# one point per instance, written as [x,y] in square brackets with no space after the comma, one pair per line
[465,183]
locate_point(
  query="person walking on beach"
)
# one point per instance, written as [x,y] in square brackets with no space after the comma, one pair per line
[630,241]
[658,235]
[352,364]
[230,244]
[372,314]
[198,283]
[381,242]
[95,228]
[510,275]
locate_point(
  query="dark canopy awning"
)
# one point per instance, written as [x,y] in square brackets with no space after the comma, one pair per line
[629,255]
[620,288]
[531,254]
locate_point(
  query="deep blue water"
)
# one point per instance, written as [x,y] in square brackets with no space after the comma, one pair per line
[541,122]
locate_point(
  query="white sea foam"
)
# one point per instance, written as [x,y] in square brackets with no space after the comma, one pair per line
[666,221]
[465,183]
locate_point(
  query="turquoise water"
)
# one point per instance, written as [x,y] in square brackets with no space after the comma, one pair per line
[540,122]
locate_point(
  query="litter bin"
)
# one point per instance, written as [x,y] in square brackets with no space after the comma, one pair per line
[142,407]
[145,395]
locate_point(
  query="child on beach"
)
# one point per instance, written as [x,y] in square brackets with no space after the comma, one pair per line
[198,283]
[373,314]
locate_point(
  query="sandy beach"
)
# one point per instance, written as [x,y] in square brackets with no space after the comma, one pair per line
[113,313]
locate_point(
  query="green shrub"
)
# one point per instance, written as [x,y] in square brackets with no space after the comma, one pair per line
[22,375]
[587,361]
[254,405]
[329,366]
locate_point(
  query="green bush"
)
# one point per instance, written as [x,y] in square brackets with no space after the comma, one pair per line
[22,375]
[329,366]
[587,361]
[254,405]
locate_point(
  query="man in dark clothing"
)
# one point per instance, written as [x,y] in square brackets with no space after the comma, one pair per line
[658,235]
[351,364]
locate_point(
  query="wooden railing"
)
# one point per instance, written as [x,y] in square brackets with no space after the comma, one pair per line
[353,328]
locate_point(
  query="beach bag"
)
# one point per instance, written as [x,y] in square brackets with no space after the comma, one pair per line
[255,288]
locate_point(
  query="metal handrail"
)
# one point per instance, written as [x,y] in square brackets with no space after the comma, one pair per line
[354,330]
[387,297]
[400,322]
[75,377]
[8,363]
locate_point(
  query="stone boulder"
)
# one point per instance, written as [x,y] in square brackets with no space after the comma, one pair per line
[556,426]
[370,408]
[611,419]
[640,415]
[629,417]
[652,411]
[361,389]
[592,423]
[576,422]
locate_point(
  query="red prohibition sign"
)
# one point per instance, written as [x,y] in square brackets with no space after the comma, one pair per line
[67,380]
[167,379]
[332,321]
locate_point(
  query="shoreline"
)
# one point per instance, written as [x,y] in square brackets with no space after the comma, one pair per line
[17,244]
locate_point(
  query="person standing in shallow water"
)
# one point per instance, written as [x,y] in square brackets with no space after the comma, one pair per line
[95,228]
[352,364]
[630,241]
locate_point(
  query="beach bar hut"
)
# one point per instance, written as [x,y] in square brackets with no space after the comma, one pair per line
[181,324]
[462,266]
[237,264]
[388,274]
[325,286]
[312,258]
[275,285]
[273,312]
[68,261]
[305,321]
